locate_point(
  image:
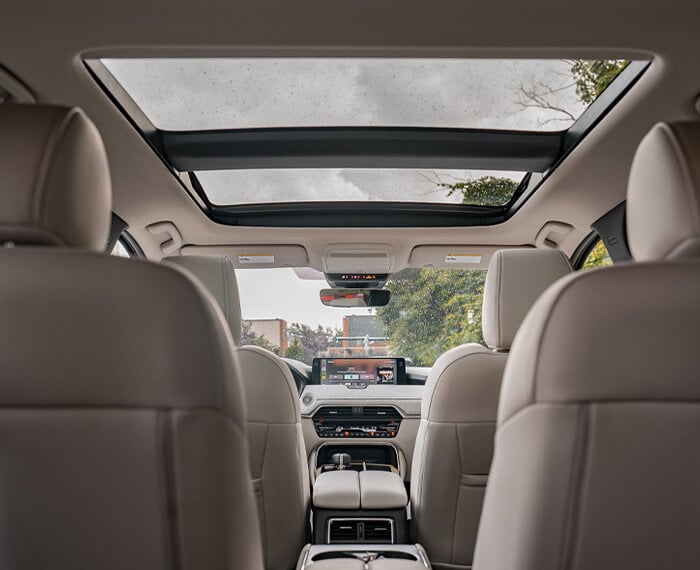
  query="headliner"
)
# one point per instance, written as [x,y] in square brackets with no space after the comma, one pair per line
[42,42]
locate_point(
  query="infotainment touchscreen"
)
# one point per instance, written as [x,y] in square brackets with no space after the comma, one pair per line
[358,372]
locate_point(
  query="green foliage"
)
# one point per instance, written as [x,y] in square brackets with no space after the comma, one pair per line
[295,351]
[313,342]
[439,309]
[484,191]
[248,337]
[593,77]
[598,257]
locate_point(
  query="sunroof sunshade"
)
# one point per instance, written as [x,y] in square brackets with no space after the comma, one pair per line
[358,185]
[243,93]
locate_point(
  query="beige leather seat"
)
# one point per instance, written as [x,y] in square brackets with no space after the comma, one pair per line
[278,457]
[454,445]
[122,430]
[596,464]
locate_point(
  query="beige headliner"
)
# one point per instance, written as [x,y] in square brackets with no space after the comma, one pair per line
[43,41]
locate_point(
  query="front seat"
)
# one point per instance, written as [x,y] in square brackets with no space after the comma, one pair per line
[596,464]
[122,429]
[454,444]
[278,458]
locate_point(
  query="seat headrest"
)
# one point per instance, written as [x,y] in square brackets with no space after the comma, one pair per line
[56,187]
[216,273]
[663,194]
[514,281]
[89,329]
[594,336]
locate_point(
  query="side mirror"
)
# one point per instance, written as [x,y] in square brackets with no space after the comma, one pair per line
[355,297]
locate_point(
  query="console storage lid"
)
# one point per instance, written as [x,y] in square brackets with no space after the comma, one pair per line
[382,490]
[337,490]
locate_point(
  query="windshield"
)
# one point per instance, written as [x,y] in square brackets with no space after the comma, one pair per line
[431,311]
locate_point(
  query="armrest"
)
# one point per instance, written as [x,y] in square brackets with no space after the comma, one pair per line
[337,490]
[382,490]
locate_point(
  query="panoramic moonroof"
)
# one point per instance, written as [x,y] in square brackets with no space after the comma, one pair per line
[280,130]
[227,93]
[476,188]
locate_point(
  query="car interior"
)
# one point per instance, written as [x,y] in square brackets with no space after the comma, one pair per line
[366,286]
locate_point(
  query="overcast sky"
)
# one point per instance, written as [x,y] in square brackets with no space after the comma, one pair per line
[190,94]
[185,94]
[279,294]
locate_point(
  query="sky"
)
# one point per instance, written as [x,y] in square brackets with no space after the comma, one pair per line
[279,293]
[185,94]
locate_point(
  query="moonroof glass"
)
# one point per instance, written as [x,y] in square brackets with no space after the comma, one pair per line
[359,185]
[229,93]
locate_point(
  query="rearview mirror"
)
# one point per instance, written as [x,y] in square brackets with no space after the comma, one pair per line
[355,297]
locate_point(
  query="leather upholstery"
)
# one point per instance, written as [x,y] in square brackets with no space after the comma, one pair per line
[277,455]
[382,490]
[217,274]
[508,298]
[454,445]
[337,490]
[663,202]
[278,459]
[56,188]
[121,419]
[599,416]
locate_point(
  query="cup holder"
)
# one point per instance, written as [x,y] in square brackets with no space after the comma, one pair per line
[364,555]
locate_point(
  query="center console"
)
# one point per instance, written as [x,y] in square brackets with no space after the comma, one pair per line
[359,507]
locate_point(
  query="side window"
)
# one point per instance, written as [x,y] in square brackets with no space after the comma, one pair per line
[597,257]
[120,250]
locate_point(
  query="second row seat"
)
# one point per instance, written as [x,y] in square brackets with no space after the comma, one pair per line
[278,461]
[454,445]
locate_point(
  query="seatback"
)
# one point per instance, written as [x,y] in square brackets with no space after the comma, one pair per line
[595,463]
[278,459]
[122,430]
[454,444]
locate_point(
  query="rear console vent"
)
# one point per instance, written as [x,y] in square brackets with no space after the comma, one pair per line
[343,531]
[359,531]
[378,531]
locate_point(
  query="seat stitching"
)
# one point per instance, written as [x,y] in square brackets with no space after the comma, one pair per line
[459,488]
[573,500]
[172,512]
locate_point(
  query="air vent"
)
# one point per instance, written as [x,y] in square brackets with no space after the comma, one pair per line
[378,531]
[380,412]
[343,531]
[333,412]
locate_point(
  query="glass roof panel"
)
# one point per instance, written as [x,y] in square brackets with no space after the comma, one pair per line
[242,93]
[479,188]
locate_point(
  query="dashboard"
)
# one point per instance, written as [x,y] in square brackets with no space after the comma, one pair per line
[367,421]
[358,372]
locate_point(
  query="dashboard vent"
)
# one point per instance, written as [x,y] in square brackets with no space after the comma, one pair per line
[333,412]
[342,531]
[380,412]
[378,531]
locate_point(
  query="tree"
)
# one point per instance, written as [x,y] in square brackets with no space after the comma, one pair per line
[438,309]
[589,78]
[484,191]
[295,351]
[593,77]
[248,337]
[598,257]
[313,342]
